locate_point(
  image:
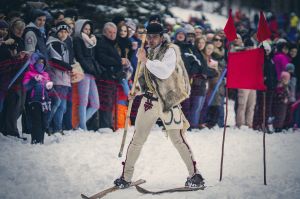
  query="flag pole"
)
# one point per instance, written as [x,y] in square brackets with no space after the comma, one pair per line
[224,132]
[264,137]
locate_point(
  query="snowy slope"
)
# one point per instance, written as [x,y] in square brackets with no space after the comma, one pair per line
[86,162]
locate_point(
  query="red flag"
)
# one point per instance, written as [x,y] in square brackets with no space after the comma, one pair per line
[245,69]
[263,30]
[229,28]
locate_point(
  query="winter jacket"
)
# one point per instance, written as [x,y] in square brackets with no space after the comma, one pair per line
[282,94]
[85,56]
[4,52]
[36,89]
[9,66]
[69,43]
[59,60]
[296,62]
[292,89]
[19,43]
[35,39]
[270,74]
[133,58]
[107,55]
[281,60]
[199,81]
[280,106]
[124,47]
[191,58]
[218,55]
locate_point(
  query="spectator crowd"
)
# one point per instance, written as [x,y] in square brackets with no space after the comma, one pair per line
[60,73]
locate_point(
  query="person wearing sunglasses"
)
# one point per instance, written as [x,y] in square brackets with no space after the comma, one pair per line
[218,102]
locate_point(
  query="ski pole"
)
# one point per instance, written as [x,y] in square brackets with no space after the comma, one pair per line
[216,87]
[132,91]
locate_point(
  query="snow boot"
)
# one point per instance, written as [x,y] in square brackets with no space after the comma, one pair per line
[195,181]
[121,183]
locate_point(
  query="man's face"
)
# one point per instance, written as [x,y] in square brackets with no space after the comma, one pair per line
[154,40]
[190,38]
[198,32]
[62,35]
[40,21]
[111,33]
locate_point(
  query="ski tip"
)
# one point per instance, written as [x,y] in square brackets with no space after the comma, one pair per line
[84,196]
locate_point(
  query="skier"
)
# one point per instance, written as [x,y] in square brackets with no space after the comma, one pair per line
[165,84]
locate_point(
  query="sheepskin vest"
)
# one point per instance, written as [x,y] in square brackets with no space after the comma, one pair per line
[173,90]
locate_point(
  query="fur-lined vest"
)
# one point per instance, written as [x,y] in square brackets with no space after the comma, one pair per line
[173,90]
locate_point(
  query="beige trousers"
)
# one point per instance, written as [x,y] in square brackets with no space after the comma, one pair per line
[246,105]
[144,121]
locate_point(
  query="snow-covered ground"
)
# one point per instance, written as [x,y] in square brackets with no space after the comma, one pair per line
[216,21]
[87,162]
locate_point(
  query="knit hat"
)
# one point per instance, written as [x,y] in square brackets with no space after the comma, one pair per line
[290,67]
[131,24]
[37,13]
[3,24]
[178,30]
[285,76]
[189,29]
[62,26]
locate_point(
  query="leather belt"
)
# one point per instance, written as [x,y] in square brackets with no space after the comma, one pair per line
[149,96]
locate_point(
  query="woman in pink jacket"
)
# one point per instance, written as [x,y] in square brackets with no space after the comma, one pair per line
[281,58]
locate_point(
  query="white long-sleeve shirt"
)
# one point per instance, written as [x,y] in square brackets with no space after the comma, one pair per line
[164,68]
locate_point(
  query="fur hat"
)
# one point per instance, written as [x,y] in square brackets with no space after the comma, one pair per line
[290,67]
[154,18]
[285,76]
[155,28]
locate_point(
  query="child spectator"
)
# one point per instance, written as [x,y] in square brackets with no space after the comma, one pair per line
[37,83]
[290,68]
[281,100]
[123,92]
